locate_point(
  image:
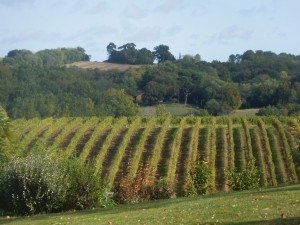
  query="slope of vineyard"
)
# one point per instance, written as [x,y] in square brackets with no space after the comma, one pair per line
[167,147]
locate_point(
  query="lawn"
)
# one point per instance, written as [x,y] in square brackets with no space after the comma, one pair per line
[264,206]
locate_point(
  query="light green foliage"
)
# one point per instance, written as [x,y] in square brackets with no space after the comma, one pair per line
[38,184]
[160,110]
[199,176]
[117,103]
[247,178]
[32,185]
[5,135]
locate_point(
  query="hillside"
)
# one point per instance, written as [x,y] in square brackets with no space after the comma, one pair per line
[167,147]
[103,66]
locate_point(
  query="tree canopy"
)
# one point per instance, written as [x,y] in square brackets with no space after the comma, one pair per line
[32,86]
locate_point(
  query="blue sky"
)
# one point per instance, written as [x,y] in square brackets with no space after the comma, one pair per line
[212,28]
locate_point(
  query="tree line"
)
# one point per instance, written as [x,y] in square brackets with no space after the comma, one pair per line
[128,54]
[251,80]
[47,57]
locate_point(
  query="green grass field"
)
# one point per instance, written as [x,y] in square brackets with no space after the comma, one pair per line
[244,112]
[174,109]
[263,206]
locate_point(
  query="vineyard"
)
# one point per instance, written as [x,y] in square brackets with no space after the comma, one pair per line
[167,147]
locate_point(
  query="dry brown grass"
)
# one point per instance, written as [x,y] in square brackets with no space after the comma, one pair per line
[103,66]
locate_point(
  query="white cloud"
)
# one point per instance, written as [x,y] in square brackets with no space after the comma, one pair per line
[134,12]
[100,7]
[171,5]
[16,3]
[145,34]
[229,34]
[173,30]
[234,32]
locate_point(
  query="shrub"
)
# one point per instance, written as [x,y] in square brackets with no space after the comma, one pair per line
[32,185]
[161,110]
[247,178]
[272,111]
[84,188]
[199,176]
[162,190]
[201,112]
[37,184]
[141,188]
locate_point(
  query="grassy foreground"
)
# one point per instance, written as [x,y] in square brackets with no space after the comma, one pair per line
[263,206]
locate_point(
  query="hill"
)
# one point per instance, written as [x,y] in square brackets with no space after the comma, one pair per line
[103,66]
[259,207]
[157,148]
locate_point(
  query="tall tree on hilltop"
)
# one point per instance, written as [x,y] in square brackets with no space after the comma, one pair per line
[162,53]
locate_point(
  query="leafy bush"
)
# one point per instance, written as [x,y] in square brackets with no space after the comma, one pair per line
[272,111]
[141,188]
[201,112]
[84,188]
[32,185]
[161,110]
[247,178]
[37,184]
[199,176]
[162,190]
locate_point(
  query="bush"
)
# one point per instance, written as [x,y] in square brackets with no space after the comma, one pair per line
[271,111]
[32,185]
[84,188]
[162,190]
[199,176]
[247,178]
[37,184]
[201,112]
[141,188]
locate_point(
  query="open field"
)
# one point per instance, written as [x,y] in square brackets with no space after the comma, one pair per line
[174,109]
[167,147]
[244,112]
[103,66]
[258,207]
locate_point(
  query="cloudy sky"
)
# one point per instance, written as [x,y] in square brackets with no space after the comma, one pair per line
[212,28]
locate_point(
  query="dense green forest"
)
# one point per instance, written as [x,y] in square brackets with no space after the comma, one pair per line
[38,85]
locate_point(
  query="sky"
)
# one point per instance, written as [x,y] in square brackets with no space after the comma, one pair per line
[212,28]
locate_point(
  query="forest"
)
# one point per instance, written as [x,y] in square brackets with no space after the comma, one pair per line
[39,85]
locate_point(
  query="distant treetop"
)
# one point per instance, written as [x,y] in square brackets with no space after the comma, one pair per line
[47,57]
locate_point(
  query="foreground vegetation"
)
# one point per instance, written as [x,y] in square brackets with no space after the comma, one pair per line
[274,206]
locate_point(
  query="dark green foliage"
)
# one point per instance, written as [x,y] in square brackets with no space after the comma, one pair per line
[83,186]
[247,178]
[201,112]
[162,53]
[128,54]
[56,91]
[199,176]
[271,111]
[34,85]
[38,184]
[117,103]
